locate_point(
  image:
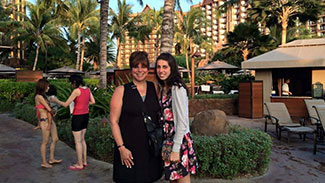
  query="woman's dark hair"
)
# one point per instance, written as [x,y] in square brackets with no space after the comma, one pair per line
[41,87]
[175,77]
[52,90]
[139,57]
[77,80]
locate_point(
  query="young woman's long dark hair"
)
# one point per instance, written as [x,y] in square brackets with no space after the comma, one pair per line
[41,87]
[175,77]
[77,80]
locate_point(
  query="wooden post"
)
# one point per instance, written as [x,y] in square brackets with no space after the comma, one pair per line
[194,54]
[192,77]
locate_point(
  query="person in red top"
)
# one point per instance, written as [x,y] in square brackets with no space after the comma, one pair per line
[82,97]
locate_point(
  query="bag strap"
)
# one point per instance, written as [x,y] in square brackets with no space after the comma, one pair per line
[143,107]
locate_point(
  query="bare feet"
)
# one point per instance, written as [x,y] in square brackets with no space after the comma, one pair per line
[76,167]
[46,165]
[55,161]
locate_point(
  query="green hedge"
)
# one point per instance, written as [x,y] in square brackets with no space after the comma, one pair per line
[221,96]
[16,92]
[241,152]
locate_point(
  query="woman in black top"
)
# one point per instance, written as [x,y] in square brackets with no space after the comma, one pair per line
[133,161]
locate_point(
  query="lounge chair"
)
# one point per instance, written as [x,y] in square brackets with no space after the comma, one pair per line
[320,110]
[313,115]
[279,116]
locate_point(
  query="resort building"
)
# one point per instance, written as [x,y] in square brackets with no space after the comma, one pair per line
[217,26]
[318,27]
[17,52]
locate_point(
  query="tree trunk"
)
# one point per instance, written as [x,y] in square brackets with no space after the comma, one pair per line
[157,47]
[245,53]
[82,53]
[118,56]
[167,29]
[36,58]
[284,29]
[187,65]
[78,52]
[103,42]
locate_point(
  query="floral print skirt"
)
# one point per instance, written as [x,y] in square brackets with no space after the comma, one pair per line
[188,161]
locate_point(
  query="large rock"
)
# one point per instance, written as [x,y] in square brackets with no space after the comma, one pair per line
[210,123]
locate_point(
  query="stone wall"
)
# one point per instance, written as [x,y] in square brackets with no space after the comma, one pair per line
[228,105]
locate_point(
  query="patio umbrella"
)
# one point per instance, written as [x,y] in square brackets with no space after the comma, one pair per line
[65,70]
[108,70]
[217,65]
[6,69]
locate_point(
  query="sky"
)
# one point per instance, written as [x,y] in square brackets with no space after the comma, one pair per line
[156,4]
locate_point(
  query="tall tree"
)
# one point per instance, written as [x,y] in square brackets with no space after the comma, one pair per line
[104,4]
[290,9]
[154,19]
[167,31]
[187,31]
[39,27]
[122,23]
[248,39]
[82,14]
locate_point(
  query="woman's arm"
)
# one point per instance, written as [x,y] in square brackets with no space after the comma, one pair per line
[115,113]
[92,99]
[180,112]
[44,103]
[74,94]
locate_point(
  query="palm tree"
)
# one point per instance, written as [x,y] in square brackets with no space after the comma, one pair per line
[122,23]
[187,31]
[141,31]
[93,47]
[39,27]
[104,4]
[154,19]
[82,14]
[248,39]
[167,31]
[290,9]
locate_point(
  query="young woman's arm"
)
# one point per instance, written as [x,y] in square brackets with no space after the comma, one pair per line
[44,103]
[74,94]
[92,99]
[115,113]
[180,112]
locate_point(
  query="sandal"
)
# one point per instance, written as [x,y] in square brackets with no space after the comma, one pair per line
[55,161]
[74,167]
[85,164]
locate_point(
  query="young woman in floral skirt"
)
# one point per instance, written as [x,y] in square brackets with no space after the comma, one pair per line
[177,151]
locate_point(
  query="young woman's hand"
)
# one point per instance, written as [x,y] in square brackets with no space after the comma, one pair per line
[126,157]
[174,157]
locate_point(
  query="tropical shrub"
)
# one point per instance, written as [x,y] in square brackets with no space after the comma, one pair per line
[232,83]
[243,151]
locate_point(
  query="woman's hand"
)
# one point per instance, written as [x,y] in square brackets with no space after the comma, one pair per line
[174,157]
[54,99]
[126,157]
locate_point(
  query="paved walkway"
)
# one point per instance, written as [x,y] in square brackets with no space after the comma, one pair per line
[20,159]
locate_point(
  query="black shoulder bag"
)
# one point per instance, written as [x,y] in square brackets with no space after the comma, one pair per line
[154,132]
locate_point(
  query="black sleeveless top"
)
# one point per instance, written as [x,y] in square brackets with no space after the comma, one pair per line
[147,168]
